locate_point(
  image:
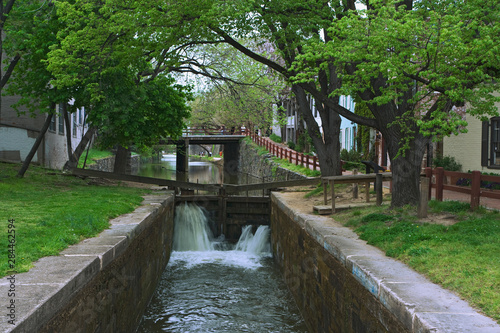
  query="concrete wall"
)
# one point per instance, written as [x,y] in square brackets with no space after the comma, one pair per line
[102,284]
[341,284]
[262,166]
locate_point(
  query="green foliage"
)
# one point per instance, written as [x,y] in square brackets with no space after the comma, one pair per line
[448,163]
[140,113]
[275,138]
[291,145]
[68,211]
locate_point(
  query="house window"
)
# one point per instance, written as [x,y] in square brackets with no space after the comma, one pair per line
[61,120]
[490,143]
[52,126]
[73,115]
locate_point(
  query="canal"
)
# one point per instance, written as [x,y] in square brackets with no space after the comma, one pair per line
[210,285]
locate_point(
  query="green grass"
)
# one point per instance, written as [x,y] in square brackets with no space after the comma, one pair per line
[463,257]
[52,211]
[94,154]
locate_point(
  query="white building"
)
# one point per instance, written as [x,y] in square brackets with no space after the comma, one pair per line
[19,132]
[348,129]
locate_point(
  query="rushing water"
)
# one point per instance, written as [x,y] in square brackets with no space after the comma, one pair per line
[211,286]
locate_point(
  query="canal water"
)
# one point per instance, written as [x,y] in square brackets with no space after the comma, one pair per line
[212,286]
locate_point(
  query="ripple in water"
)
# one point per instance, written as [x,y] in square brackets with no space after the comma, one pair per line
[237,290]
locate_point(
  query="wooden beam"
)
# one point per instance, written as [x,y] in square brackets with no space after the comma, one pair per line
[271,185]
[146,180]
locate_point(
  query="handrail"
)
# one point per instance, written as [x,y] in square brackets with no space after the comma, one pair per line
[286,153]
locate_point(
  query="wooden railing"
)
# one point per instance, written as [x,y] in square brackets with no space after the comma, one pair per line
[378,178]
[214,131]
[446,180]
[286,153]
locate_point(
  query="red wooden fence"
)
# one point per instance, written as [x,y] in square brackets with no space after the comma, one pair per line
[446,180]
[286,153]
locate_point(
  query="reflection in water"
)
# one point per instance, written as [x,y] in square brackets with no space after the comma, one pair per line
[202,172]
[199,171]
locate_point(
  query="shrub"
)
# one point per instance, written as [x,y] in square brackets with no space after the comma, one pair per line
[275,138]
[448,163]
[291,145]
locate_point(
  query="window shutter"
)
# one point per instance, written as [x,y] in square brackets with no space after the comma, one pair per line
[484,143]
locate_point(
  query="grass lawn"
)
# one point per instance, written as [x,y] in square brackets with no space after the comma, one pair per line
[94,154]
[52,211]
[458,249]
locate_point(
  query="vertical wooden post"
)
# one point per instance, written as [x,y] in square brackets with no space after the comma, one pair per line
[296,158]
[428,174]
[315,160]
[332,189]
[424,197]
[325,192]
[355,186]
[475,192]
[378,188]
[439,183]
[289,156]
[367,191]
[307,161]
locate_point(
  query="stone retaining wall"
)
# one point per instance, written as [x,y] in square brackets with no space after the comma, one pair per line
[341,284]
[262,165]
[107,164]
[102,284]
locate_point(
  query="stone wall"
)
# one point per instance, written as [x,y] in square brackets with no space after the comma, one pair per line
[102,284]
[328,296]
[107,164]
[262,165]
[341,284]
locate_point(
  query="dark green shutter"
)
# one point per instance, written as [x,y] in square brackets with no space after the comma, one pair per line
[484,143]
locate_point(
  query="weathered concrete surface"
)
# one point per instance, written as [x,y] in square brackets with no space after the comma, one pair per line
[341,284]
[102,284]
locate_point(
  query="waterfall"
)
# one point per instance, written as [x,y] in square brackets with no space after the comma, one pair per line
[191,233]
[256,244]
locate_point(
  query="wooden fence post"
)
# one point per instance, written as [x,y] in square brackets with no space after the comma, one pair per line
[378,188]
[475,192]
[439,183]
[325,192]
[424,197]
[332,184]
[428,174]
[355,186]
[315,159]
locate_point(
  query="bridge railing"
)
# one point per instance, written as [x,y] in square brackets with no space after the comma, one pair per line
[294,157]
[222,130]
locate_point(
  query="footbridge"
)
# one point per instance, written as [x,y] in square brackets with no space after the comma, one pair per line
[230,143]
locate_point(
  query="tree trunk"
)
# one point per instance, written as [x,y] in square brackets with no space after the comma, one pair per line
[405,168]
[37,143]
[68,134]
[327,146]
[80,149]
[122,160]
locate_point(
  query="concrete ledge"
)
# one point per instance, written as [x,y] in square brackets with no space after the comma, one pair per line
[54,282]
[418,304]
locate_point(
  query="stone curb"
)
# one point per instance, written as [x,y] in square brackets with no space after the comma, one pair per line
[42,291]
[417,303]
